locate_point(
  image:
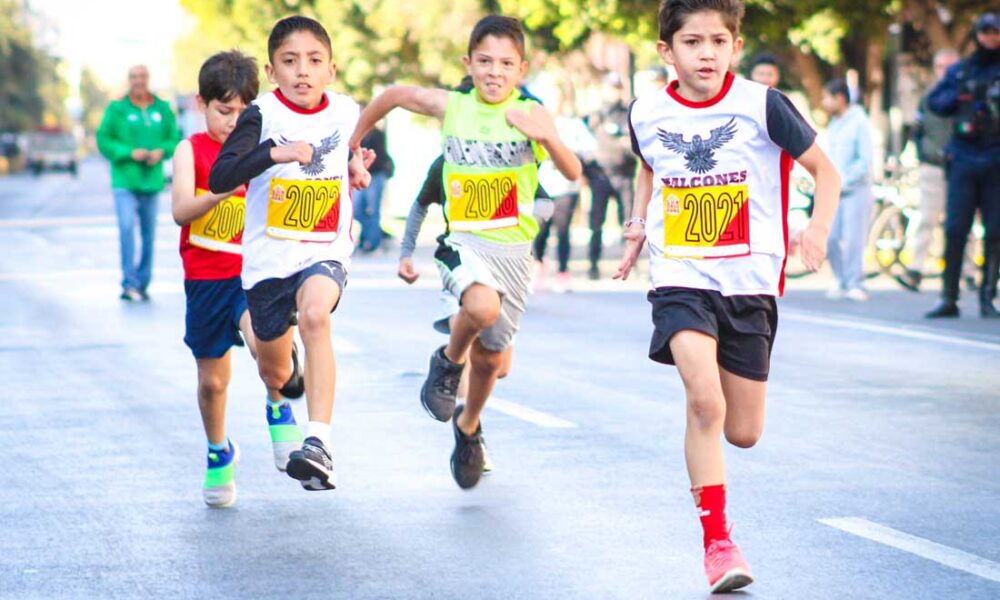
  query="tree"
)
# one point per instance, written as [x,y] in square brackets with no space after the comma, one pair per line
[94,99]
[31,92]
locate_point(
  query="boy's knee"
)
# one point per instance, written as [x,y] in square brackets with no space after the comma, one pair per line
[707,406]
[481,306]
[314,320]
[742,437]
[274,376]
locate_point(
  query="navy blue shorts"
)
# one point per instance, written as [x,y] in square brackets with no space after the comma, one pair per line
[212,323]
[744,326]
[272,301]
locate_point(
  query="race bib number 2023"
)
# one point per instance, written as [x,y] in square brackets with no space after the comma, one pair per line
[307,211]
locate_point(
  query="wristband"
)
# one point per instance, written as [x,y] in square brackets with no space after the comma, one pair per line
[638,220]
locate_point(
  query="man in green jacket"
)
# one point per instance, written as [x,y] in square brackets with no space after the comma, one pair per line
[136,135]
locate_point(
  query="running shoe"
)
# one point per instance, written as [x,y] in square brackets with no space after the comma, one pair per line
[725,567]
[296,384]
[487,463]
[312,465]
[441,387]
[131,295]
[467,458]
[285,433]
[219,490]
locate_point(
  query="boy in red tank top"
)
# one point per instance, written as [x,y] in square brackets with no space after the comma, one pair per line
[210,248]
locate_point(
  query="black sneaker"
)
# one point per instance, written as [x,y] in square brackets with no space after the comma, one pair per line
[467,458]
[296,384]
[594,273]
[312,466]
[441,387]
[131,295]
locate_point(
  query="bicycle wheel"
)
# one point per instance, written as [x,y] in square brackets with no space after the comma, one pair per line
[886,242]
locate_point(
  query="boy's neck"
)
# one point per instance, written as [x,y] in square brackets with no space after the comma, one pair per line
[485,101]
[688,94]
[315,107]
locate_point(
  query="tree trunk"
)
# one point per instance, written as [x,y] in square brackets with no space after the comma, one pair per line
[806,66]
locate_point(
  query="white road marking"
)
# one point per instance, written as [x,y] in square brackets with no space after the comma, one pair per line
[945,555]
[896,330]
[530,415]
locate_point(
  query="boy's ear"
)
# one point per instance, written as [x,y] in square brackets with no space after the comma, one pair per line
[269,72]
[467,63]
[202,105]
[734,61]
[666,54]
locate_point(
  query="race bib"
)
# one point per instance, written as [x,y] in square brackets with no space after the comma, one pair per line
[306,211]
[706,222]
[220,229]
[482,201]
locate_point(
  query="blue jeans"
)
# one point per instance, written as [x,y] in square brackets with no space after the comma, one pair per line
[368,209]
[132,208]
[848,236]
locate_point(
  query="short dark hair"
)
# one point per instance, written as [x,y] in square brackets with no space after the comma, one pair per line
[764,58]
[674,14]
[289,25]
[498,26]
[226,75]
[838,87]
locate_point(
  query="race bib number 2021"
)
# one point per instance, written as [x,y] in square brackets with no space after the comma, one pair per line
[482,201]
[706,222]
[307,211]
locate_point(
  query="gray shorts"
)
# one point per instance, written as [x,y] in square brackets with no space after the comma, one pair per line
[464,259]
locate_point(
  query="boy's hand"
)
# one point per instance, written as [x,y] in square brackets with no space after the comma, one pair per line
[357,173]
[368,156]
[635,237]
[154,156]
[140,155]
[537,125]
[299,152]
[812,246]
[406,270]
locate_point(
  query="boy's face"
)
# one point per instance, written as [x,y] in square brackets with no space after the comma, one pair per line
[301,68]
[701,51]
[765,74]
[496,67]
[220,117]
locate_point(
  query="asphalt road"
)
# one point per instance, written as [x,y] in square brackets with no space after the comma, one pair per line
[876,477]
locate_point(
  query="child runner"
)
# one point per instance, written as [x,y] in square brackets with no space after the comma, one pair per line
[712,194]
[494,139]
[291,146]
[211,234]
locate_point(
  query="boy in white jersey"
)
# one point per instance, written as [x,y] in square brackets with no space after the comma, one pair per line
[291,147]
[494,139]
[712,196]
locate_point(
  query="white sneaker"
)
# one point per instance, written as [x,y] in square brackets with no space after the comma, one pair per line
[835,293]
[856,295]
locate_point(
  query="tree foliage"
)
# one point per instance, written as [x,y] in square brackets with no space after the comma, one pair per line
[31,91]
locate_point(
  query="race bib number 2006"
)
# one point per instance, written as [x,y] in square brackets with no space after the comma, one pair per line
[303,210]
[706,222]
[482,201]
[220,229]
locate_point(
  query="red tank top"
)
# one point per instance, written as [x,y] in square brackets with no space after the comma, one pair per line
[211,245]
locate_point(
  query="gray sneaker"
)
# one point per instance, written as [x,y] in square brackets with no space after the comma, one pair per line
[439,391]
[468,457]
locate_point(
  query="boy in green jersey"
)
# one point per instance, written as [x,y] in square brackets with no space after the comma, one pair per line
[493,141]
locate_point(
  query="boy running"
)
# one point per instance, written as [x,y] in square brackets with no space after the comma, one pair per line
[210,248]
[712,197]
[493,141]
[290,146]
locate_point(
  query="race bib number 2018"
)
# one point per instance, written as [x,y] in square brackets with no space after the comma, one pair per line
[307,211]
[706,222]
[482,201]
[220,229]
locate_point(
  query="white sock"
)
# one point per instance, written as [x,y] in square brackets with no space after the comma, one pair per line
[318,429]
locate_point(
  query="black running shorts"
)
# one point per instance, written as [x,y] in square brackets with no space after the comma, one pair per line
[744,326]
[272,301]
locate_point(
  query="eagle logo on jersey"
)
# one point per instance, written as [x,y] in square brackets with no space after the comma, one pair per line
[699,153]
[326,146]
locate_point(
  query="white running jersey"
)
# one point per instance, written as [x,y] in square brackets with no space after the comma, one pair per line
[717,216]
[298,215]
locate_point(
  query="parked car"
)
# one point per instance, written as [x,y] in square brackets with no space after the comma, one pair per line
[51,151]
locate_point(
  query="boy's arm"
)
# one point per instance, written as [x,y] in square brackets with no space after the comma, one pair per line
[812,240]
[425,101]
[414,221]
[185,205]
[635,230]
[539,127]
[243,155]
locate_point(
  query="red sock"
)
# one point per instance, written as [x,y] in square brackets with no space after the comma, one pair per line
[711,503]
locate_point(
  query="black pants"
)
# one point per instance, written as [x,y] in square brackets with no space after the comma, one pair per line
[973,184]
[603,188]
[565,206]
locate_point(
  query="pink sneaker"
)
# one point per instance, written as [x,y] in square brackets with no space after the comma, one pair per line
[725,567]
